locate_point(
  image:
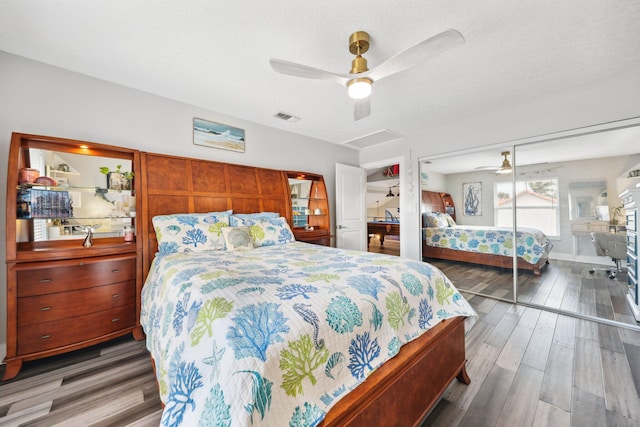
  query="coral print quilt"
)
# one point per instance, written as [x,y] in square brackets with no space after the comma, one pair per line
[532,243]
[276,335]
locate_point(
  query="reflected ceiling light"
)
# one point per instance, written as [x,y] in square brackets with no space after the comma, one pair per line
[359,88]
[505,168]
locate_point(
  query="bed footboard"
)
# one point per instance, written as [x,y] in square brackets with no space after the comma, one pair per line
[403,391]
[431,252]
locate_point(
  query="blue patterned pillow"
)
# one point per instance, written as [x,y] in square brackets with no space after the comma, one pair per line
[190,232]
[268,231]
[238,218]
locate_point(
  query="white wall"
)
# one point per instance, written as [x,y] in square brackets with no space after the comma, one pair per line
[44,100]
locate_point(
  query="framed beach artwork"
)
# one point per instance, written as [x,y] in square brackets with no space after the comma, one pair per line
[472,197]
[216,135]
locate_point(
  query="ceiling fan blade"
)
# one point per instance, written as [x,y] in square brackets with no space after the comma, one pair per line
[362,109]
[298,70]
[414,55]
[487,168]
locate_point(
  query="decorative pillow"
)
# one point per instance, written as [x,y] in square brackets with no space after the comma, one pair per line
[437,219]
[450,220]
[268,232]
[190,232]
[237,238]
[251,217]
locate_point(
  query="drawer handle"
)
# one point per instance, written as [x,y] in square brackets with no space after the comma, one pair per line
[45,308]
[45,337]
[115,296]
[115,271]
[45,280]
[117,319]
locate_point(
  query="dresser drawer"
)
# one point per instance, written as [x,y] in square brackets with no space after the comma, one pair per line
[46,308]
[49,335]
[632,218]
[632,266]
[632,244]
[75,274]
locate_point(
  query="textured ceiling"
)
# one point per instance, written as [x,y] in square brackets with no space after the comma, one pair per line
[214,54]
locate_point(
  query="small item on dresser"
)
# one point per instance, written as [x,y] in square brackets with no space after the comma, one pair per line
[128,233]
[45,180]
[27,175]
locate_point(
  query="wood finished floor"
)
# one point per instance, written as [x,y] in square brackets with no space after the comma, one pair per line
[563,285]
[390,247]
[528,367]
[531,367]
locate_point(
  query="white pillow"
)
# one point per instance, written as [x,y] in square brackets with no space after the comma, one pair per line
[237,238]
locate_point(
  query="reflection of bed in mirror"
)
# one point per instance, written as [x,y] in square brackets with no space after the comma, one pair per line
[492,246]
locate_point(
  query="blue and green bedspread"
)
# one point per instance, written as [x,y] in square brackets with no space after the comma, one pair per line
[533,244]
[278,334]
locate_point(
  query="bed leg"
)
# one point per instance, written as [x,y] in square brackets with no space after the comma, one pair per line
[138,334]
[463,376]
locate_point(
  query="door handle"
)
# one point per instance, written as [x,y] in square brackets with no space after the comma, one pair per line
[340,227]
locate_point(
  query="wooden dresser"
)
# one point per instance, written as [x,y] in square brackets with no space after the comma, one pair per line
[63,295]
[631,201]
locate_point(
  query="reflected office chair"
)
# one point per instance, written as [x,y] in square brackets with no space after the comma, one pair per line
[611,245]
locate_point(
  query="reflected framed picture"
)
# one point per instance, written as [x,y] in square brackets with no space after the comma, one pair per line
[217,135]
[472,197]
[424,179]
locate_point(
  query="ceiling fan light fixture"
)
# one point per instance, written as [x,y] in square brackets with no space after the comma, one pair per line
[505,168]
[359,88]
[390,193]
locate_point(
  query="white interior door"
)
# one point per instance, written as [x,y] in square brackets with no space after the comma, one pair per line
[351,215]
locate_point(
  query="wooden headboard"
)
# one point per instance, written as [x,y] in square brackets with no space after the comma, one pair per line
[171,184]
[438,202]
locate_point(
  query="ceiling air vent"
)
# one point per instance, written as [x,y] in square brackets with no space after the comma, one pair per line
[376,138]
[287,117]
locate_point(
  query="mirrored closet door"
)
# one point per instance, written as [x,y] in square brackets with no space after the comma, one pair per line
[467,219]
[560,210]
[570,188]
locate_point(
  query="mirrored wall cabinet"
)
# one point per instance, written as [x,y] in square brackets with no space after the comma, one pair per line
[310,207]
[73,262]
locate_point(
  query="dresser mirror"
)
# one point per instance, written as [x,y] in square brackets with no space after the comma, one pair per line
[568,187]
[300,198]
[84,191]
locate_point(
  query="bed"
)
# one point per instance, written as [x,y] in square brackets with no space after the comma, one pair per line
[212,316]
[493,246]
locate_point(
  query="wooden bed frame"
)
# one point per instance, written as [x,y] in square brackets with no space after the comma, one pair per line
[433,202]
[403,391]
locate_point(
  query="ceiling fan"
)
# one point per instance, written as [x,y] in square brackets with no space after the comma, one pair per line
[504,169]
[360,79]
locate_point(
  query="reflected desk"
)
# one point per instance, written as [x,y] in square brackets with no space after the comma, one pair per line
[383,228]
